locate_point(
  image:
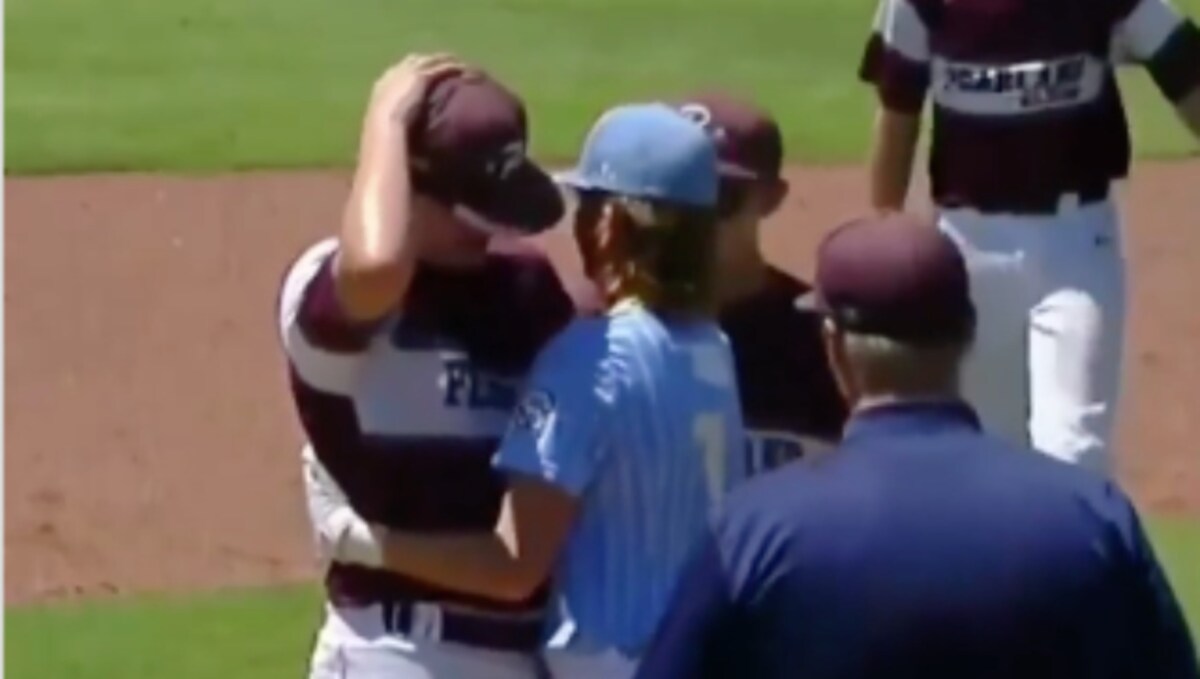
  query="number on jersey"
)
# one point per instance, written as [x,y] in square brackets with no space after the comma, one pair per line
[709,432]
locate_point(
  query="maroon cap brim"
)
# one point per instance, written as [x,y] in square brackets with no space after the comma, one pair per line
[527,201]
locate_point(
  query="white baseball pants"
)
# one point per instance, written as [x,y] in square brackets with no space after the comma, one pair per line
[607,665]
[354,644]
[1050,295]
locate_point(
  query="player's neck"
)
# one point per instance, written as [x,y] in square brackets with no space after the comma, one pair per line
[876,400]
[741,276]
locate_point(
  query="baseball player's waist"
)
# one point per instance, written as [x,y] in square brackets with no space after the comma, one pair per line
[1031,202]
[607,664]
[439,622]
[353,585]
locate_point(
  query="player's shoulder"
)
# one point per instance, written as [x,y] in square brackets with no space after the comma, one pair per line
[310,257]
[583,338]
[786,284]
[624,331]
[584,350]
[774,301]
[1054,478]
[791,297]
[765,509]
[301,270]
[632,329]
[775,491]
[1070,498]
[781,287]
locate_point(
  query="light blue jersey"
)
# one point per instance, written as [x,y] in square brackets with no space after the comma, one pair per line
[639,419]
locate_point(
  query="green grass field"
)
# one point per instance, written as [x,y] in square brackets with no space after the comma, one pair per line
[266,634]
[219,84]
[210,85]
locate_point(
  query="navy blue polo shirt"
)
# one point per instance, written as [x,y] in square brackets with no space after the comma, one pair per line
[924,548]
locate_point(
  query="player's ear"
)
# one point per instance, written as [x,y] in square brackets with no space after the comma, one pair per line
[834,340]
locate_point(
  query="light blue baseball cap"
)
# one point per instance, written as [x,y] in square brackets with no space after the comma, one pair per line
[647,151]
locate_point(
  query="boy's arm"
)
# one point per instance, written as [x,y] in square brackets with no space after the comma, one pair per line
[896,63]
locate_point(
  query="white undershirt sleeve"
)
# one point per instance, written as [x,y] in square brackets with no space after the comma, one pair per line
[339,533]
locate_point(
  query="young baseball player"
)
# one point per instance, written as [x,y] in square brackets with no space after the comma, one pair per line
[407,338]
[629,430]
[1028,136]
[790,401]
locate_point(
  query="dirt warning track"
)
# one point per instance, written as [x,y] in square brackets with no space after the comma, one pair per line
[150,442]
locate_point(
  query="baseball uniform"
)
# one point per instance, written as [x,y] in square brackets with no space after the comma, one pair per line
[790,401]
[1028,136]
[920,547]
[634,414]
[403,415]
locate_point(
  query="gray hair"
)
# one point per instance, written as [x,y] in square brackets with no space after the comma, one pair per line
[885,365]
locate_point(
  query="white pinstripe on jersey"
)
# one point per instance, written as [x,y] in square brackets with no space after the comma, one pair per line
[640,420]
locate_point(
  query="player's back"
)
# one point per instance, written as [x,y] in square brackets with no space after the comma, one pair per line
[790,400]
[672,448]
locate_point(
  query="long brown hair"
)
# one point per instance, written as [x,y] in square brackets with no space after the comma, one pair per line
[664,255]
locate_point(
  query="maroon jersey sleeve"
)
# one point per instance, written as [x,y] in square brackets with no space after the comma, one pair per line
[323,346]
[1154,33]
[896,59]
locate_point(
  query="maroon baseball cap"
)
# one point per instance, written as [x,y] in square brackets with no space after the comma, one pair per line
[749,143]
[897,276]
[469,146]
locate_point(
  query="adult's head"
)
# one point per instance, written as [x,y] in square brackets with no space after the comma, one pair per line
[647,190]
[471,175]
[898,309]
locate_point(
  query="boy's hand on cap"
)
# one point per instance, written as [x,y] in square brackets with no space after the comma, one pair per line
[403,86]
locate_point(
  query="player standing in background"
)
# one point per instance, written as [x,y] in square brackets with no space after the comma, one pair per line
[1029,133]
[407,339]
[629,431]
[790,401]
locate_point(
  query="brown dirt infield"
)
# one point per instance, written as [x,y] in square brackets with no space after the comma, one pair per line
[150,442]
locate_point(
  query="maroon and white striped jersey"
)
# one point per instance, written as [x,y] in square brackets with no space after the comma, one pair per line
[405,414]
[1025,103]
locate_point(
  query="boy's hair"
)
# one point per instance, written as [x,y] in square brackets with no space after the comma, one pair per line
[662,254]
